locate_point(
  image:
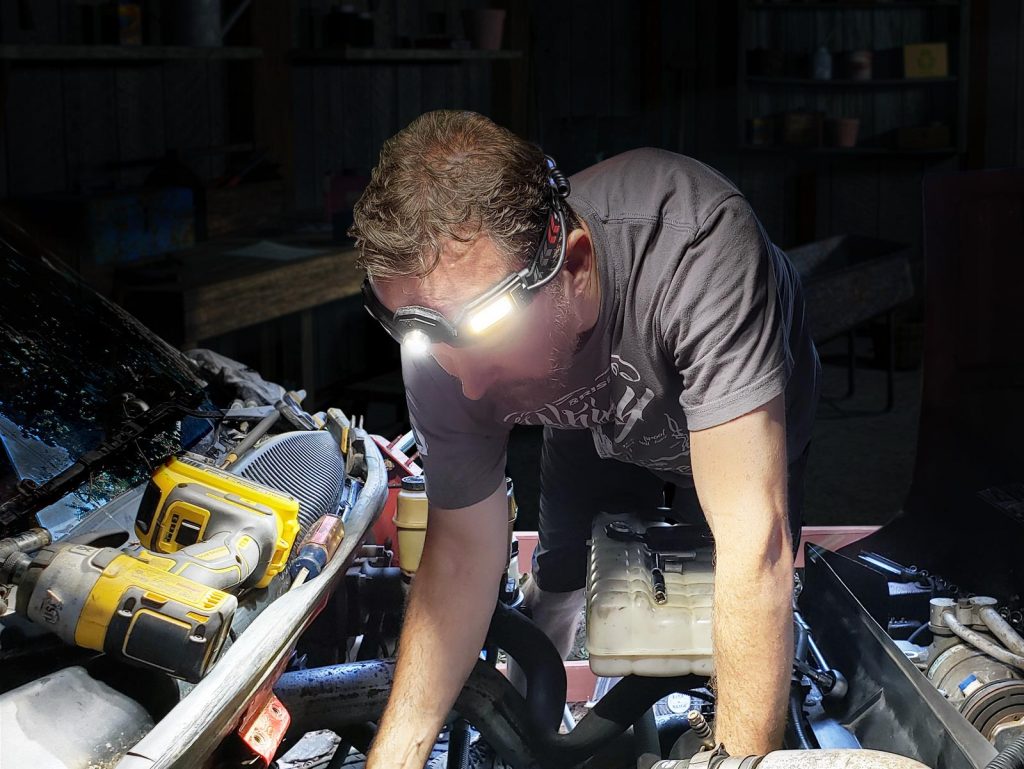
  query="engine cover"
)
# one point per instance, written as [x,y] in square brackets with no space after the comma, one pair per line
[628,631]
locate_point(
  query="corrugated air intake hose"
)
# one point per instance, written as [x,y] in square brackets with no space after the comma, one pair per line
[306,464]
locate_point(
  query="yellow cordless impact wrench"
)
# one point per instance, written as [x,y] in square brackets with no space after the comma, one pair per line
[163,603]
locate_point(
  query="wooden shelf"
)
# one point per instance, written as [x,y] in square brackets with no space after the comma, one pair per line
[427,55]
[123,53]
[855,5]
[767,91]
[898,82]
[848,151]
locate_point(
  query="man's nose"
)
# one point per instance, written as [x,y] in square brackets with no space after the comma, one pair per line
[474,377]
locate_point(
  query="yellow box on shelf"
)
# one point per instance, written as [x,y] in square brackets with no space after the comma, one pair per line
[925,60]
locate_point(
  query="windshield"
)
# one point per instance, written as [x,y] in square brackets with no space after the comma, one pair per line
[73,367]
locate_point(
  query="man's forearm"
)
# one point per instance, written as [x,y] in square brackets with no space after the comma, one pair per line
[445,624]
[753,637]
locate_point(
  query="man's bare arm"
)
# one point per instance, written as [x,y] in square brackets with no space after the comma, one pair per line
[453,597]
[739,469]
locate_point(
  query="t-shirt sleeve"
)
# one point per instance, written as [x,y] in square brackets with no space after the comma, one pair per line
[462,451]
[721,321]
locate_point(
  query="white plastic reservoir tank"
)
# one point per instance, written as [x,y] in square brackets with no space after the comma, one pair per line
[628,632]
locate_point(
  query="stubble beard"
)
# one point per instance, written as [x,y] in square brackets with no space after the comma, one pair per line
[531,394]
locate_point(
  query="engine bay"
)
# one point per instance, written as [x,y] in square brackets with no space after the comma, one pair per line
[197,571]
[129,626]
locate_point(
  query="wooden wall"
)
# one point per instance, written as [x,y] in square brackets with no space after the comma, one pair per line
[802,197]
[998,119]
[345,111]
[805,198]
[74,126]
[603,76]
[879,109]
[597,77]
[608,76]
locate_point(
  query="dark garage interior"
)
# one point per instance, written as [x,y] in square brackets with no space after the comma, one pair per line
[189,171]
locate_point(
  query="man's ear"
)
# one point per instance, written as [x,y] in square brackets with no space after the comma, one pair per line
[579,259]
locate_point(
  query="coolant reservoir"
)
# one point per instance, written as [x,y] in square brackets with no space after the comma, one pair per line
[628,632]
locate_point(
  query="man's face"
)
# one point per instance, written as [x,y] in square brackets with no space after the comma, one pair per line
[522,363]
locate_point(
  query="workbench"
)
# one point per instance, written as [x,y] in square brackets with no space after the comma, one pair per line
[204,292]
[849,280]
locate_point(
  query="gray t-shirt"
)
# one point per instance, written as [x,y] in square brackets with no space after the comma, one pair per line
[701,321]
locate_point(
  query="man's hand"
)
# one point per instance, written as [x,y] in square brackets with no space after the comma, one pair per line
[739,469]
[453,598]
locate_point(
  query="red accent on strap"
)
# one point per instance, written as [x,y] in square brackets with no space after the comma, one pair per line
[553,230]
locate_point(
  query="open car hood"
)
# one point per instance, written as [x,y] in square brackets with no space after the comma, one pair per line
[73,369]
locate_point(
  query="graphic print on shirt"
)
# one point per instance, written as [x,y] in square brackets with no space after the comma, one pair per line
[579,409]
[617,409]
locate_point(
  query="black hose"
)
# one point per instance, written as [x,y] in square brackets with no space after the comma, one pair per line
[798,730]
[542,666]
[612,715]
[645,735]
[524,732]
[339,696]
[340,755]
[918,632]
[1011,757]
[458,745]
[799,641]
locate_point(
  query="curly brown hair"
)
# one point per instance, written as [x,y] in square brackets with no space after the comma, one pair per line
[449,175]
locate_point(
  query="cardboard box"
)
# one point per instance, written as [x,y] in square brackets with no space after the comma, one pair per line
[926,60]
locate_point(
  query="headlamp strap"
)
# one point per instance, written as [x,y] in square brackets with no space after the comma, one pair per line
[558,181]
[549,254]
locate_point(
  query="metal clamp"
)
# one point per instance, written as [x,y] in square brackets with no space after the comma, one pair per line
[716,758]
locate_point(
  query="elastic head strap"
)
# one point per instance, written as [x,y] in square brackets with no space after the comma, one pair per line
[550,253]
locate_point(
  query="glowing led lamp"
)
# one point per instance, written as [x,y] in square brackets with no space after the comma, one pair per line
[490,313]
[416,342]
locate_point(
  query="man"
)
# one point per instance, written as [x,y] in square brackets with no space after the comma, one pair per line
[649,324]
